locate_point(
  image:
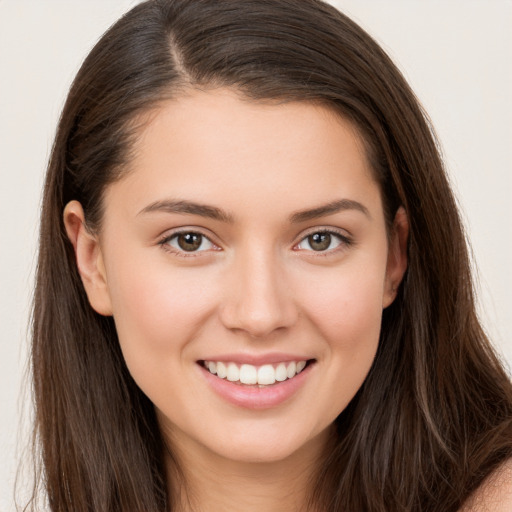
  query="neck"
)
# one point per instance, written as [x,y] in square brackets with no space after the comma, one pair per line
[207,482]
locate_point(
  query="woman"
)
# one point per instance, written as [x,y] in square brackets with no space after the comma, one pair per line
[253,289]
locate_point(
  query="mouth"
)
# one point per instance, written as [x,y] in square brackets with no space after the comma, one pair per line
[267,383]
[256,376]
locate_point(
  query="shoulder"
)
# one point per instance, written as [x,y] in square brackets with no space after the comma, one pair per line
[495,493]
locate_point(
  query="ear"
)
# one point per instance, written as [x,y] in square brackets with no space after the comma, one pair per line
[397,256]
[89,258]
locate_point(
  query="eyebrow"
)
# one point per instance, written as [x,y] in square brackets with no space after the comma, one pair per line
[188,207]
[213,212]
[328,209]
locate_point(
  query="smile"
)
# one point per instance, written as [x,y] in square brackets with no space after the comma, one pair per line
[249,374]
[267,383]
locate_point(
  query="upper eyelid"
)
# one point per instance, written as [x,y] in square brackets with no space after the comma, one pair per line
[163,243]
[345,239]
[325,229]
[170,233]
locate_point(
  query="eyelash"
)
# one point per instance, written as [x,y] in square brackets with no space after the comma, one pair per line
[344,242]
[165,243]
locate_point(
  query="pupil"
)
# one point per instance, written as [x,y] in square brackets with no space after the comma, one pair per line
[320,241]
[190,241]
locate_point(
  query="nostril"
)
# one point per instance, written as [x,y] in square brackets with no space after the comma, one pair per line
[256,322]
[259,302]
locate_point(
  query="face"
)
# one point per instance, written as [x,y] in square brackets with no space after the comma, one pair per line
[246,262]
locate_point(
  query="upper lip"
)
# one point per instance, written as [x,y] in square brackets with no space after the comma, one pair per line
[257,359]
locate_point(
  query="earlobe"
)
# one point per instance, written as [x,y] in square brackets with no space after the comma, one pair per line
[397,256]
[89,258]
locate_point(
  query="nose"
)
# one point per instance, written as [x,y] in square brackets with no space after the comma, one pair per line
[258,300]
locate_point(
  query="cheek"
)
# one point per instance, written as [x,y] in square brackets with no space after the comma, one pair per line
[157,309]
[347,313]
[347,307]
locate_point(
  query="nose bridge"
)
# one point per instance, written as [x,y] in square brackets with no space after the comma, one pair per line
[259,301]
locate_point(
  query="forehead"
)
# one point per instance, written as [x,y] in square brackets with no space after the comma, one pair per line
[218,144]
[209,115]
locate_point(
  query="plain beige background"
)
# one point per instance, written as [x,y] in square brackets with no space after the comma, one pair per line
[455,53]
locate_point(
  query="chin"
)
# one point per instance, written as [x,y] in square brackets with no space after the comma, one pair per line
[270,446]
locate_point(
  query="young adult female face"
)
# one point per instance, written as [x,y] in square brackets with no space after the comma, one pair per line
[238,180]
[249,236]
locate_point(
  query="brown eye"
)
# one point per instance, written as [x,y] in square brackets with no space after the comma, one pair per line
[319,241]
[322,241]
[189,242]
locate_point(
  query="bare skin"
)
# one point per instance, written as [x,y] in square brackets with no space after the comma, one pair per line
[495,494]
[215,485]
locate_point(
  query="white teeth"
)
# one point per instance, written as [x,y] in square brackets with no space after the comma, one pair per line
[221,370]
[264,375]
[248,374]
[233,373]
[281,373]
[291,369]
[300,366]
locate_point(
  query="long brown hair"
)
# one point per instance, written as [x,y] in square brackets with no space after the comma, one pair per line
[434,416]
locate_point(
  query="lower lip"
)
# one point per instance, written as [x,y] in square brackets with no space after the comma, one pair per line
[252,397]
